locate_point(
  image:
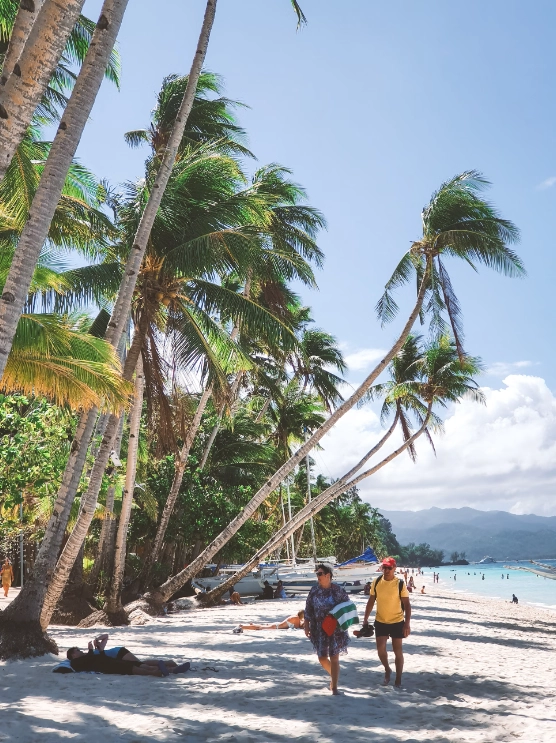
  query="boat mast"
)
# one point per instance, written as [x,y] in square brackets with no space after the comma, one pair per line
[309,500]
[290,515]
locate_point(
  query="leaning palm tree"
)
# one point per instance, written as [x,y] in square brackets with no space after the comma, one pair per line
[58,162]
[23,86]
[457,223]
[437,377]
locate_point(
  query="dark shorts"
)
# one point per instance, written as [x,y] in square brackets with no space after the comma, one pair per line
[121,653]
[389,630]
[117,667]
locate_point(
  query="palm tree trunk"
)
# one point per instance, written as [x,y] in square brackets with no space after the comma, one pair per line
[316,505]
[125,294]
[89,499]
[55,171]
[114,603]
[175,583]
[26,16]
[180,465]
[263,410]
[27,605]
[123,305]
[105,556]
[25,85]
[235,387]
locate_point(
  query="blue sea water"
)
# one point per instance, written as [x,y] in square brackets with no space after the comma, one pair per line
[528,587]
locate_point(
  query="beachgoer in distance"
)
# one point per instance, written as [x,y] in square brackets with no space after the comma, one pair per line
[235,598]
[7,576]
[321,599]
[423,589]
[279,592]
[514,599]
[390,596]
[296,622]
[367,589]
[268,593]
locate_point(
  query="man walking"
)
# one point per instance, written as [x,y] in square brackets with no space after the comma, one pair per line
[393,615]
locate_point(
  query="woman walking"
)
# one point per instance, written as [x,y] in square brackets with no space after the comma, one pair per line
[321,599]
[7,576]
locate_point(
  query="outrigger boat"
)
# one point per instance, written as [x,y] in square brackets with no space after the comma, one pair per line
[300,578]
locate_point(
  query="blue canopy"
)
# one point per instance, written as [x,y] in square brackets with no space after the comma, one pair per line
[367,556]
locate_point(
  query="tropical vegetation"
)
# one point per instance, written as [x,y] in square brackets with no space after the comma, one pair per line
[163,385]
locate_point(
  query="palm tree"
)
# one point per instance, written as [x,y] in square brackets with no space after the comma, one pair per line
[33,603]
[57,358]
[456,223]
[60,156]
[440,377]
[22,25]
[24,86]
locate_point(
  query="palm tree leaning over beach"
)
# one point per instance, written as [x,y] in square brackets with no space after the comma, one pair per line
[30,603]
[436,375]
[457,223]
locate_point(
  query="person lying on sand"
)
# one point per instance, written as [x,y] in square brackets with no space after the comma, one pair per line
[295,622]
[119,661]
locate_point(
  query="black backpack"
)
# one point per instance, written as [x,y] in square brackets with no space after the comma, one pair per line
[400,589]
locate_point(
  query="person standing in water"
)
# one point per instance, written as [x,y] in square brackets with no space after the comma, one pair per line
[393,615]
[7,576]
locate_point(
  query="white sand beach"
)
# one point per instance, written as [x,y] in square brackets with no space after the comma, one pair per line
[476,670]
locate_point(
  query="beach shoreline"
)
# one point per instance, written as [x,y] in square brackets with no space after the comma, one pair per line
[473,670]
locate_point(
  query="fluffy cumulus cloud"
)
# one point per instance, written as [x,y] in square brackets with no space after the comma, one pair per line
[501,455]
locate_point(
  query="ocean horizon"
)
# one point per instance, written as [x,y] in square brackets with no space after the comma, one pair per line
[529,588]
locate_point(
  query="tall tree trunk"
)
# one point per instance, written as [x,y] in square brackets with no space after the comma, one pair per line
[114,603]
[105,556]
[123,303]
[26,16]
[26,606]
[179,470]
[26,83]
[55,172]
[316,505]
[235,387]
[174,584]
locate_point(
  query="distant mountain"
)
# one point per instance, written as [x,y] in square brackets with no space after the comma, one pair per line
[502,535]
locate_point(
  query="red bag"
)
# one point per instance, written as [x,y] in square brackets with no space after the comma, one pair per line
[329,624]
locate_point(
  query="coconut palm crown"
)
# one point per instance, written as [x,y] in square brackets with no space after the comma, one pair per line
[458,223]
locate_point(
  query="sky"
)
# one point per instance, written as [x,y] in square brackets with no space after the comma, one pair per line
[373,105]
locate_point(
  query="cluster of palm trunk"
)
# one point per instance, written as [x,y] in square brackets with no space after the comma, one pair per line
[194,270]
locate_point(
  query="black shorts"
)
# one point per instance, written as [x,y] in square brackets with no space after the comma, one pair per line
[389,630]
[121,653]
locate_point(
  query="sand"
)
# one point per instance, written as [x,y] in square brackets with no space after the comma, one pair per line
[476,670]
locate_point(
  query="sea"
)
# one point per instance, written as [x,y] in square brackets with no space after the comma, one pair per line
[500,582]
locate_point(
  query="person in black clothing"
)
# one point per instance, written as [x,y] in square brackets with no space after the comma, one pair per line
[514,599]
[268,593]
[101,663]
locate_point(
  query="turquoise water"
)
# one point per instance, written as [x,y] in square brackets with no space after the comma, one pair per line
[529,588]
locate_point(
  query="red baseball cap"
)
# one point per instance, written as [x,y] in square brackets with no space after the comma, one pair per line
[389,561]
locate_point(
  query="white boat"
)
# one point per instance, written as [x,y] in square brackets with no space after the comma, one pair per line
[351,575]
[251,585]
[486,560]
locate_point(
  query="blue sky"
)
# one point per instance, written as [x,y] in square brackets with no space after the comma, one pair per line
[372,106]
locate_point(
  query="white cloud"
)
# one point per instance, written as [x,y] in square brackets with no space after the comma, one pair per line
[498,456]
[362,359]
[503,368]
[548,183]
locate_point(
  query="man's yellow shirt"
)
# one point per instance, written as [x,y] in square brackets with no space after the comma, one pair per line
[388,604]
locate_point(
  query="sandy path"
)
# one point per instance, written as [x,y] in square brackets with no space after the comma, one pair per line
[476,670]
